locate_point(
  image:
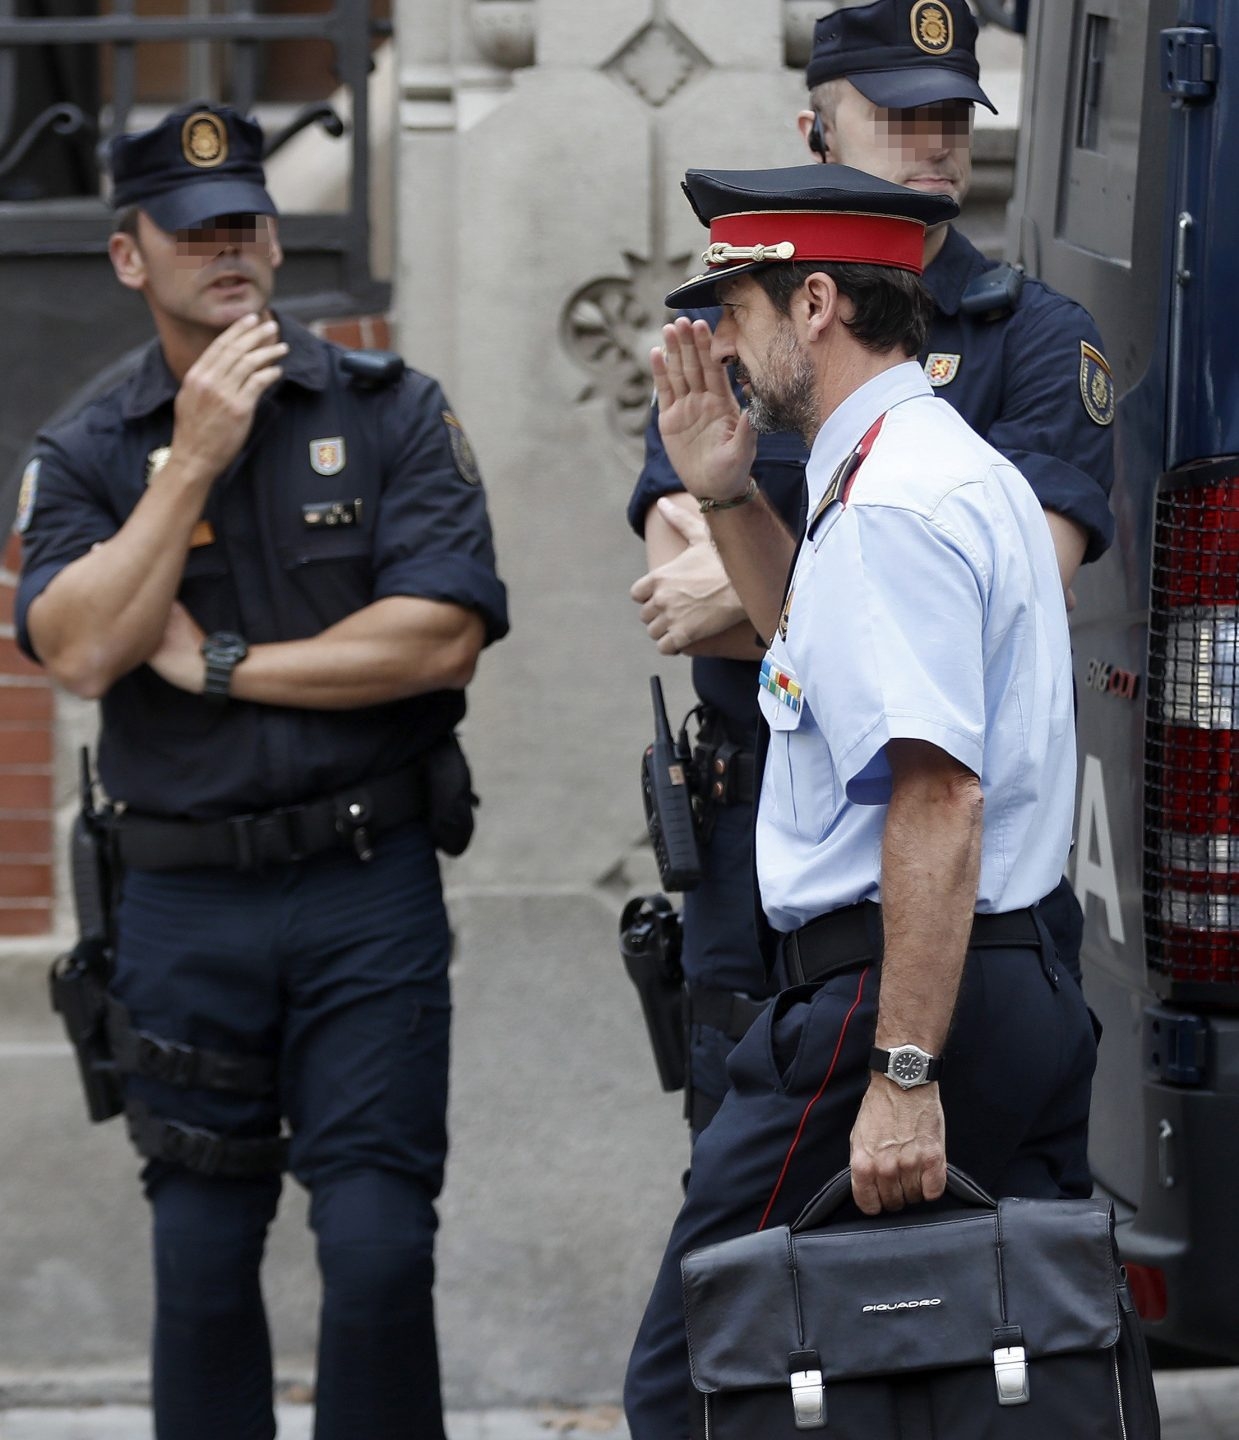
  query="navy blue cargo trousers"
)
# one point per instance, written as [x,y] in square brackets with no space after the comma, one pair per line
[339,970]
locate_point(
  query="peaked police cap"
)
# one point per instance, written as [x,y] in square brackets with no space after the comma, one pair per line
[805,213]
[900,53]
[197,163]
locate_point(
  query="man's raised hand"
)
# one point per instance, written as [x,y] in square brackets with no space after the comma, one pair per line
[706,435]
[216,402]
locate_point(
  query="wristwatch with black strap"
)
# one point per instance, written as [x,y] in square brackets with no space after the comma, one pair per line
[907,1065]
[223,651]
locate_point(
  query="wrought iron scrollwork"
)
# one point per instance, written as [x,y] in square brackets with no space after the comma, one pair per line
[319,113]
[64,120]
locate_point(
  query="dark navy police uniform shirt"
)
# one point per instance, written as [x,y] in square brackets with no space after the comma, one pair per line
[267,564]
[1017,382]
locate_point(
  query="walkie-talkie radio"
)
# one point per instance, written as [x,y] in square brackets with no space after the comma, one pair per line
[666,789]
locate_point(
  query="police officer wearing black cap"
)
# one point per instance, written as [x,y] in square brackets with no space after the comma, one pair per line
[891,85]
[915,803]
[270,560]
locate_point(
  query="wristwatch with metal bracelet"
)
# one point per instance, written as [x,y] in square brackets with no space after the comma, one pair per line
[223,652]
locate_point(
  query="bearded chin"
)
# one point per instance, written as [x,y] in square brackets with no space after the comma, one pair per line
[794,410]
[764,417]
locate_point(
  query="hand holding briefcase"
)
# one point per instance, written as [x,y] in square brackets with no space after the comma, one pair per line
[1001,1320]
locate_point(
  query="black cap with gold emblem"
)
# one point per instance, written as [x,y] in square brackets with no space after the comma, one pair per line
[901,53]
[197,163]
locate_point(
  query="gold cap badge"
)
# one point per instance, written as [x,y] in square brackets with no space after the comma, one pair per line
[932,27]
[204,140]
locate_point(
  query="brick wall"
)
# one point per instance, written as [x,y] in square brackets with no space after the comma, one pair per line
[26,799]
[357,332]
[27,725]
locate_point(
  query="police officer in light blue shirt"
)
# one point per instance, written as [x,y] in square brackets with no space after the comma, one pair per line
[916,795]
[904,574]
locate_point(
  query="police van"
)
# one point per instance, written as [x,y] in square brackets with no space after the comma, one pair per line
[1126,198]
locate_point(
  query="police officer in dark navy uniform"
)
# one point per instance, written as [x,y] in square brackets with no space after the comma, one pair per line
[270,560]
[915,801]
[892,85]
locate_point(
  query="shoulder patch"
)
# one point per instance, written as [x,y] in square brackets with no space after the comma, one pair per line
[462,451]
[27,496]
[941,369]
[1096,384]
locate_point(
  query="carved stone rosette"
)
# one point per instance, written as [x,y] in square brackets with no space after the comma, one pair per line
[608,328]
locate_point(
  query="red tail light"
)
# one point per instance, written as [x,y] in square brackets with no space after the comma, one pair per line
[1191,780]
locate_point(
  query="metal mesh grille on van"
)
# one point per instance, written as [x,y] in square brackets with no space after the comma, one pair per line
[1191,767]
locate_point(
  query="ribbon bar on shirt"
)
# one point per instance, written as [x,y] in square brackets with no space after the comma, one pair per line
[768,235]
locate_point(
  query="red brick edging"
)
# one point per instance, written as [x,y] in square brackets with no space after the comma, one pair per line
[26,797]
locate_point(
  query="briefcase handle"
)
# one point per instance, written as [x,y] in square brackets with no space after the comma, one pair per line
[836,1191]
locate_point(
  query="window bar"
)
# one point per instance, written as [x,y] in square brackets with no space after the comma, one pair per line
[124,74]
[243,56]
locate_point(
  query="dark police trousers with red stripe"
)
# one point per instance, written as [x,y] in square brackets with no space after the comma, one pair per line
[1015,1091]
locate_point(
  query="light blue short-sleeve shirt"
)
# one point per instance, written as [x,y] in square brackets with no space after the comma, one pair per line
[926,606]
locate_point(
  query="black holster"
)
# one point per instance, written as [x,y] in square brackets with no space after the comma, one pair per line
[79,996]
[79,980]
[650,939]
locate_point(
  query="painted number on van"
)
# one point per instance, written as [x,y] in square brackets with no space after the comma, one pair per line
[1097,876]
[1110,680]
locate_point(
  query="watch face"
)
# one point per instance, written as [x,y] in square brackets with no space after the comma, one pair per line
[225,647]
[908,1065]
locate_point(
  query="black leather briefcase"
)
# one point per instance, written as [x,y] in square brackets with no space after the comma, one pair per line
[998,1320]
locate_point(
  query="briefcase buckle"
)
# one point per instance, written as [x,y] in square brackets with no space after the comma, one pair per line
[1011,1375]
[808,1395]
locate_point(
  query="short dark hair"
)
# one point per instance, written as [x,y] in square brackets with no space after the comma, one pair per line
[126,222]
[893,309]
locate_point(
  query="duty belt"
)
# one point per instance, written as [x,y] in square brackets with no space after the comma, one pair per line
[852,936]
[350,817]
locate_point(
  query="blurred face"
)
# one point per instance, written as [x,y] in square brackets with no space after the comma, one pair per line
[760,344]
[928,148]
[204,278]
